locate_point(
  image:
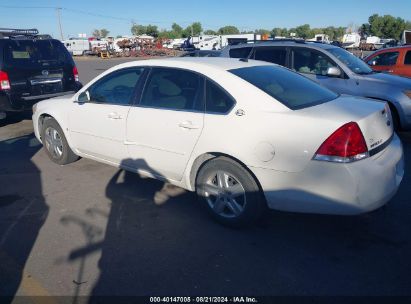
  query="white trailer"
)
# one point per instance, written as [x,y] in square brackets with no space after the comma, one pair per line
[77,47]
[238,38]
[351,41]
[320,38]
[206,42]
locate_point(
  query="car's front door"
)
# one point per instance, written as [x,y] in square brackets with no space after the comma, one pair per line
[384,62]
[98,120]
[164,127]
[314,65]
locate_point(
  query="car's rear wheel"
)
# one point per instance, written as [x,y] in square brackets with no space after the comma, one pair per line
[55,143]
[229,192]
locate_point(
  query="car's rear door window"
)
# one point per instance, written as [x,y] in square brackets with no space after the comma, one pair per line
[240,52]
[289,88]
[384,59]
[217,99]
[27,53]
[271,54]
[116,88]
[173,89]
[407,59]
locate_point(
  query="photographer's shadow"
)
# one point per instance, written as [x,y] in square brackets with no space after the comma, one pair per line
[135,227]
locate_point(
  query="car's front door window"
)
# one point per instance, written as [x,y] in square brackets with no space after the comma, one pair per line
[173,89]
[384,59]
[311,62]
[116,88]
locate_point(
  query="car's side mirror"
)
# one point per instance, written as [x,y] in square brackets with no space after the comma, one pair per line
[84,97]
[333,72]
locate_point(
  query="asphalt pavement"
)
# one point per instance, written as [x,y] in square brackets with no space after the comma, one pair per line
[91,229]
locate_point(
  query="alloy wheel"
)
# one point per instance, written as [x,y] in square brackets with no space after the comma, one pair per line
[54,142]
[225,194]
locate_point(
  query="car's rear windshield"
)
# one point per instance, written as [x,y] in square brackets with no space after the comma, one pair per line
[289,88]
[27,53]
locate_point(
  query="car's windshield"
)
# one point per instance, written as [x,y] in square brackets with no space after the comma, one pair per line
[34,52]
[352,62]
[289,88]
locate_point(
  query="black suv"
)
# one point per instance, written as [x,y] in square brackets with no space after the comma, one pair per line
[33,67]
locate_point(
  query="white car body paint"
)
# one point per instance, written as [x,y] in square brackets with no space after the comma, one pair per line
[155,143]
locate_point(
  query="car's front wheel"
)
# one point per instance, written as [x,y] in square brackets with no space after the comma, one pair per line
[230,192]
[55,143]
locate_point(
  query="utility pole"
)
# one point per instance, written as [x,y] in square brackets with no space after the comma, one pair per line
[58,11]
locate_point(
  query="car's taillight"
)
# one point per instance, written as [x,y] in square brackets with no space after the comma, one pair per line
[75,73]
[345,145]
[4,81]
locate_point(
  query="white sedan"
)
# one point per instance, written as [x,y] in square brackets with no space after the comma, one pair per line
[243,134]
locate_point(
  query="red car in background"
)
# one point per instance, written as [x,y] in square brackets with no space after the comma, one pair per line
[396,60]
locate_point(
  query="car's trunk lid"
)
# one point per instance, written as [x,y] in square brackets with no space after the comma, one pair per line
[373,118]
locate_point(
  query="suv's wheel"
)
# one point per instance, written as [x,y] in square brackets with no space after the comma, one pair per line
[229,192]
[55,143]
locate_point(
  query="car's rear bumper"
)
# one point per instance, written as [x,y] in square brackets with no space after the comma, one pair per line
[8,103]
[333,188]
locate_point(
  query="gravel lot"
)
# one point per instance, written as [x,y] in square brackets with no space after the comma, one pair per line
[89,229]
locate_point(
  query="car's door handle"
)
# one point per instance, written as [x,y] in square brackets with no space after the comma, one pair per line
[188,125]
[114,115]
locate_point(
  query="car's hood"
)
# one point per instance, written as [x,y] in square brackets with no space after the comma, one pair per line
[394,80]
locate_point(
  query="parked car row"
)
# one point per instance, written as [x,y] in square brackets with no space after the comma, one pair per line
[336,69]
[244,134]
[291,130]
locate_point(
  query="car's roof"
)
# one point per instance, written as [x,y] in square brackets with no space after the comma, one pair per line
[394,48]
[23,38]
[297,43]
[196,63]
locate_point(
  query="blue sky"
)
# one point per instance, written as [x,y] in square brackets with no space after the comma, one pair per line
[117,16]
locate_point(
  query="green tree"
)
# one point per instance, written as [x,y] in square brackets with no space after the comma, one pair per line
[210,32]
[194,29]
[262,32]
[228,30]
[386,26]
[96,33]
[104,32]
[152,30]
[303,31]
[176,30]
[279,32]
[138,29]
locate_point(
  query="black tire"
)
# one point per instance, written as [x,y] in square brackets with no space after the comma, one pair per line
[252,201]
[67,156]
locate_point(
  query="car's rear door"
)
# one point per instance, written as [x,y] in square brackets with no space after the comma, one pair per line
[164,127]
[98,125]
[404,66]
[272,54]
